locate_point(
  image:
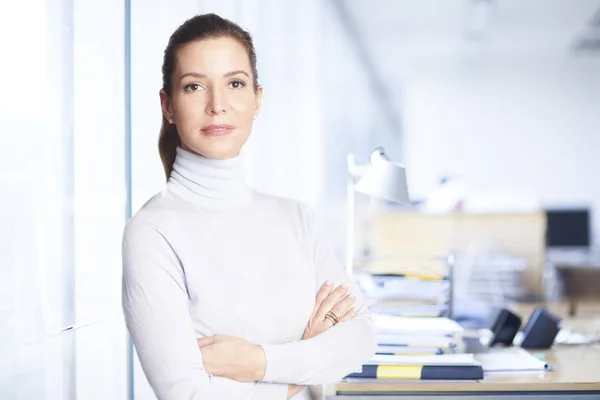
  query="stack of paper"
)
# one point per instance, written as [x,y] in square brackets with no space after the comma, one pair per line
[392,349]
[410,310]
[442,359]
[415,326]
[404,287]
[421,335]
[411,348]
[435,367]
[416,342]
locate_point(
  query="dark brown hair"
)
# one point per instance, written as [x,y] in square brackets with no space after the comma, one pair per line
[200,27]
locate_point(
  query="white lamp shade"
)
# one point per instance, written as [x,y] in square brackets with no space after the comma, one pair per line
[384,179]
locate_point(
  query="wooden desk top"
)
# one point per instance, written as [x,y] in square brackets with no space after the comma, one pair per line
[577,368]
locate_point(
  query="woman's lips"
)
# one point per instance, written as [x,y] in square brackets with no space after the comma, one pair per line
[217,130]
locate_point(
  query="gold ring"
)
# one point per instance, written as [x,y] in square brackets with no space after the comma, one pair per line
[331,315]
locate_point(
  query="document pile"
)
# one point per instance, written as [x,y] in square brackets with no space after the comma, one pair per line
[412,348]
[415,335]
[406,294]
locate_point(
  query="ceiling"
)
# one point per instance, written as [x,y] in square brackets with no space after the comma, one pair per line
[445,29]
[400,42]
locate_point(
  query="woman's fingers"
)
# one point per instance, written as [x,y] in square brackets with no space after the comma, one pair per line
[349,315]
[338,300]
[334,297]
[342,307]
[321,295]
[205,341]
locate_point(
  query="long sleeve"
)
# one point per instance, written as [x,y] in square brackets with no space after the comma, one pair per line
[335,353]
[155,304]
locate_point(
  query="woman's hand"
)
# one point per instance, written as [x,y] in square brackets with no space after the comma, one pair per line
[233,358]
[237,359]
[339,301]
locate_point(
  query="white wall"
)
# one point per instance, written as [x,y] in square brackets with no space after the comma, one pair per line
[99,196]
[514,126]
[63,199]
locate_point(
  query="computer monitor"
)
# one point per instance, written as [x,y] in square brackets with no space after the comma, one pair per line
[568,228]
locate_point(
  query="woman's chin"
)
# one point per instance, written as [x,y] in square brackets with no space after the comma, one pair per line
[215,147]
[220,151]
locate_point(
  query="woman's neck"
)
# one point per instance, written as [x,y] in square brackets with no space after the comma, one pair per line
[209,182]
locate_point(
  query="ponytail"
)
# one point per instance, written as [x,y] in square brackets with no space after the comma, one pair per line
[168,141]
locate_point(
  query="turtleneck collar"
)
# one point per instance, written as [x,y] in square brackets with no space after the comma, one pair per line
[209,182]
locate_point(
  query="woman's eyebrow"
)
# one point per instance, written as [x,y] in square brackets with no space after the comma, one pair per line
[226,75]
[236,72]
[192,74]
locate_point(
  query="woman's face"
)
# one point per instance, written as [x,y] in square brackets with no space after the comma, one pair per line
[213,102]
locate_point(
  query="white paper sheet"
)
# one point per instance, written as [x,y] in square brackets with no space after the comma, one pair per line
[513,359]
[441,359]
[403,350]
[420,341]
[415,325]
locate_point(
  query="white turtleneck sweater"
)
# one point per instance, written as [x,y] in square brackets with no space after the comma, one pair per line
[210,256]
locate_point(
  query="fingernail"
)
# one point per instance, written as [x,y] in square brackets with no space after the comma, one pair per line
[345,286]
[351,296]
[328,283]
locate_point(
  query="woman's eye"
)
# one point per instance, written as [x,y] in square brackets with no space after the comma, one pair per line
[237,84]
[192,87]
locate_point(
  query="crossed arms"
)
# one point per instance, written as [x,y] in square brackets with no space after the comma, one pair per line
[155,304]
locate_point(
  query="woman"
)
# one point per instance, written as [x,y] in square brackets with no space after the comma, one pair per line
[227,292]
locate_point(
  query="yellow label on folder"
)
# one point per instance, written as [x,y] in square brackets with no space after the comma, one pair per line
[424,277]
[399,372]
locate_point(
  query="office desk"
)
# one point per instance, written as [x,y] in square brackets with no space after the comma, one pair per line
[576,375]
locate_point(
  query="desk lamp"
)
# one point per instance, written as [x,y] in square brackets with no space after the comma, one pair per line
[380,178]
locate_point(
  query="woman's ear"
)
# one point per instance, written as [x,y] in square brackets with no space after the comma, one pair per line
[165,104]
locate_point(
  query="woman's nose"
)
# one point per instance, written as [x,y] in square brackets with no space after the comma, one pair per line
[216,104]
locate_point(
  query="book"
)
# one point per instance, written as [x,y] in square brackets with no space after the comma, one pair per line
[418,372]
[424,367]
